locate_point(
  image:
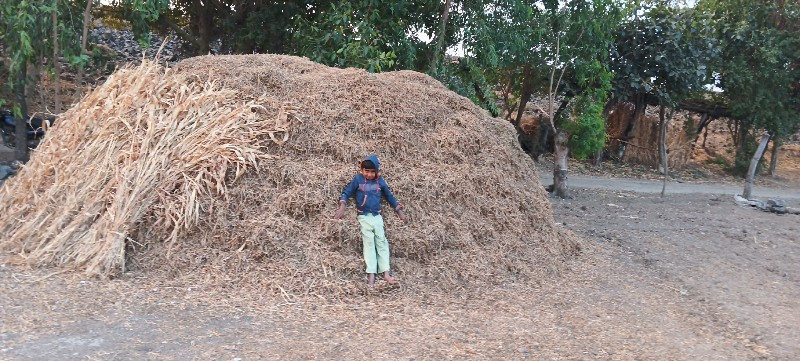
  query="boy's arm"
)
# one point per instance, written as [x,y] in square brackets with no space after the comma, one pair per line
[387,193]
[348,192]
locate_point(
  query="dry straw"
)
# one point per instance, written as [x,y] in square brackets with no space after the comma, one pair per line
[147,163]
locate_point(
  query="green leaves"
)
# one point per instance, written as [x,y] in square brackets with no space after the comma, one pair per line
[663,53]
[357,34]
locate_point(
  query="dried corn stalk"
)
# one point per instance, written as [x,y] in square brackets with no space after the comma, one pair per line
[144,143]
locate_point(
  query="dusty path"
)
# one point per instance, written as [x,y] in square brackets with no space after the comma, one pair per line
[685,278]
[651,186]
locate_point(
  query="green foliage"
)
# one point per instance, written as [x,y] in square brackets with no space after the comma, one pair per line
[368,34]
[759,68]
[721,161]
[665,53]
[26,33]
[263,27]
[587,126]
[468,81]
[586,31]
[141,14]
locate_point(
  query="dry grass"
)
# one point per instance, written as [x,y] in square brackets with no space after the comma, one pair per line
[153,154]
[143,143]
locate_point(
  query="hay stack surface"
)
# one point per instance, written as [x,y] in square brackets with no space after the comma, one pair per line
[248,196]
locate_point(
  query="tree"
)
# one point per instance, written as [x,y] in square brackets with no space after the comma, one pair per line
[758,70]
[440,36]
[369,34]
[661,58]
[505,38]
[580,34]
[31,32]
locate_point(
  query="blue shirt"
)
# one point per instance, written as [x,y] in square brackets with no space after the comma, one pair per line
[368,194]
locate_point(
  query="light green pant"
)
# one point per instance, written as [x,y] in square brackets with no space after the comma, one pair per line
[376,247]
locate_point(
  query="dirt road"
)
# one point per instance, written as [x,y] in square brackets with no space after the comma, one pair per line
[684,278]
[651,186]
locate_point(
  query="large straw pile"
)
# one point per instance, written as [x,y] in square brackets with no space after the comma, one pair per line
[146,164]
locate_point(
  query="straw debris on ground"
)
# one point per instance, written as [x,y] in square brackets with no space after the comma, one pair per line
[226,169]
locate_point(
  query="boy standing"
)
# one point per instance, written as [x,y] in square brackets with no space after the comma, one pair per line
[368,187]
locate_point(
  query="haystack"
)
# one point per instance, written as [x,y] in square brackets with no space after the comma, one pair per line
[228,168]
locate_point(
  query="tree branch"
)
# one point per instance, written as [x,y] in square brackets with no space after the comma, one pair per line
[182,33]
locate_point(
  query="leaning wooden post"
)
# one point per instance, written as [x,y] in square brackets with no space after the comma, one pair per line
[751,172]
[662,146]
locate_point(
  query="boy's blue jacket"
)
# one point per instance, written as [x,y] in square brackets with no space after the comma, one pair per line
[369,192]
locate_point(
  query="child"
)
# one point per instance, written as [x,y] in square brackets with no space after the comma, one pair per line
[368,187]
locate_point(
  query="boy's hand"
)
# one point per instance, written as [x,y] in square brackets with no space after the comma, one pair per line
[339,211]
[402,216]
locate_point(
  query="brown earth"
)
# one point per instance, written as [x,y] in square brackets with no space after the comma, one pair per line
[685,278]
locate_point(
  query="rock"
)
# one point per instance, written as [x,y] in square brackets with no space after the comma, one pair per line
[776,206]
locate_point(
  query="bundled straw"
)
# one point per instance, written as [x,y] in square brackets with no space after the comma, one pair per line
[479,214]
[143,143]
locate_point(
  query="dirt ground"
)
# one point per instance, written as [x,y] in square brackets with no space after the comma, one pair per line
[689,277]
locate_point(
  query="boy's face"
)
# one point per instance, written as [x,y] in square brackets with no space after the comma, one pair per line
[369,173]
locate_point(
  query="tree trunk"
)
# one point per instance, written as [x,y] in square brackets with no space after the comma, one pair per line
[21,133]
[662,146]
[751,172]
[509,110]
[639,107]
[34,81]
[440,35]
[205,27]
[87,19]
[773,161]
[704,120]
[527,89]
[560,110]
[56,63]
[560,188]
[542,139]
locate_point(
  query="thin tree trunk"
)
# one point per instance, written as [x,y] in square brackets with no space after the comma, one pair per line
[773,161]
[437,50]
[87,19]
[56,63]
[205,27]
[662,146]
[560,188]
[21,133]
[527,89]
[561,108]
[35,83]
[751,172]
[704,119]
[508,108]
[639,107]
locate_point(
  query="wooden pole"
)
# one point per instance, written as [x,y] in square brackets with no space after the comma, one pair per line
[56,64]
[662,146]
[87,19]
